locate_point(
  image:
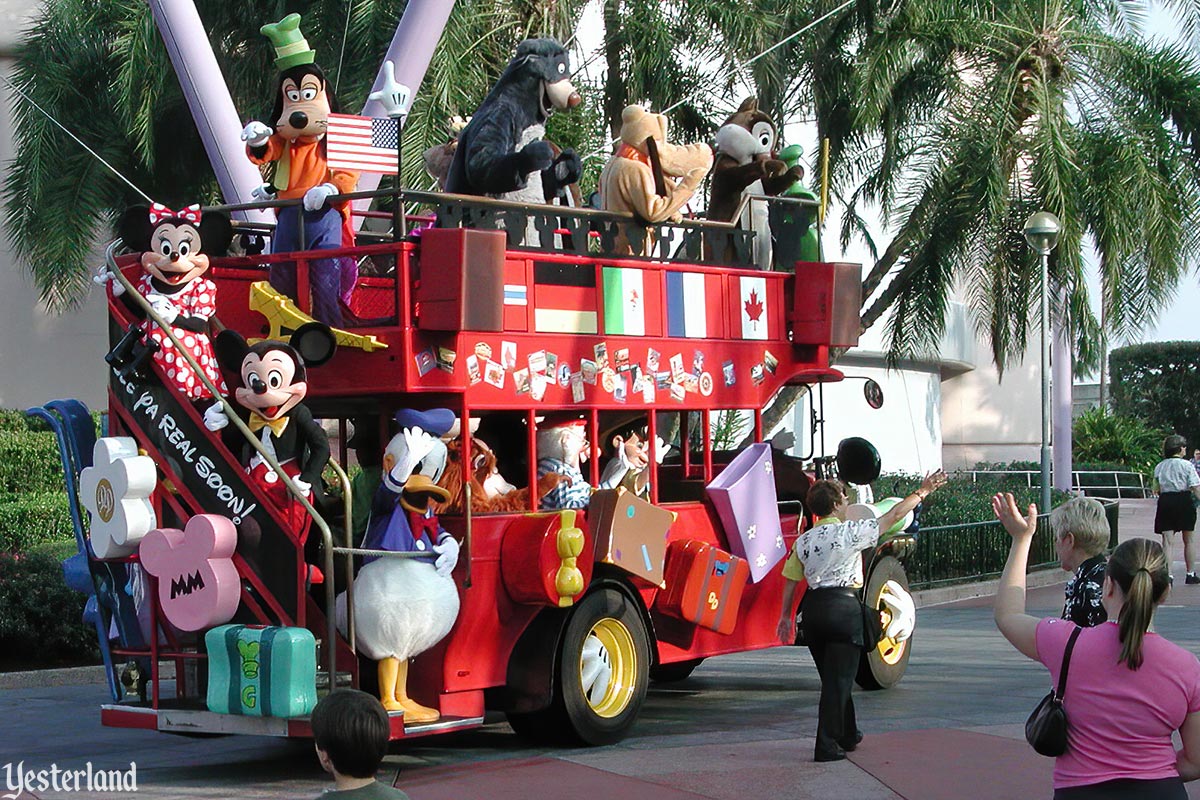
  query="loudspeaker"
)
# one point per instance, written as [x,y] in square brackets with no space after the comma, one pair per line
[857,460]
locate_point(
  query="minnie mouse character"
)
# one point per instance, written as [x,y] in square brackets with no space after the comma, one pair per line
[274,382]
[294,141]
[174,286]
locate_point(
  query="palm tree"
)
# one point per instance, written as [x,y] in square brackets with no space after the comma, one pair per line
[102,70]
[964,117]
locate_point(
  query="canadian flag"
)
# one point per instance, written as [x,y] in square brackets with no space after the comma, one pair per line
[753,307]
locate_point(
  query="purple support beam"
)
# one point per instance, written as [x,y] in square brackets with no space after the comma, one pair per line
[208,98]
[411,50]
[1063,383]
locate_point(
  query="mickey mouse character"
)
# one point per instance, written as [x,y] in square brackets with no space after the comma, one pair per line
[174,286]
[294,140]
[274,382]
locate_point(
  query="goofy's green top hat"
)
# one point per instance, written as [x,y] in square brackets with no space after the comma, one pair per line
[291,48]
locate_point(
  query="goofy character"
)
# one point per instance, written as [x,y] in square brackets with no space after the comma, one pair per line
[295,143]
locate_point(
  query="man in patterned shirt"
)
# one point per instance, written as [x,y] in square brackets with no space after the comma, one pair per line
[828,556]
[1081,533]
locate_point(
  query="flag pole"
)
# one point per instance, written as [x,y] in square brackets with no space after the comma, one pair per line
[398,221]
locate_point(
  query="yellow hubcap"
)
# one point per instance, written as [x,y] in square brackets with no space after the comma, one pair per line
[608,668]
[890,651]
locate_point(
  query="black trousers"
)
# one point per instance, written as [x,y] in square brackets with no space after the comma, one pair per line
[1126,789]
[832,621]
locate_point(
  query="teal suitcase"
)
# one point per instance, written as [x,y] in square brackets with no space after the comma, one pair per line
[261,671]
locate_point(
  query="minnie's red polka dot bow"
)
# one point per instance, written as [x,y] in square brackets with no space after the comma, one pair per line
[159,212]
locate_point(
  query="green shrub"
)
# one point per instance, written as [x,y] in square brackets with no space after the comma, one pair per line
[17,421]
[29,462]
[40,618]
[1159,384]
[1100,436]
[962,501]
[34,518]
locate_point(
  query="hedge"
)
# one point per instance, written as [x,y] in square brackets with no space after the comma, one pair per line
[40,618]
[34,518]
[961,500]
[1159,384]
[29,462]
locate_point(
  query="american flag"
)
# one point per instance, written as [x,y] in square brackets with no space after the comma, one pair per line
[364,144]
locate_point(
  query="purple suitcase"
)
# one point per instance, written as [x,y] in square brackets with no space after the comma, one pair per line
[744,498]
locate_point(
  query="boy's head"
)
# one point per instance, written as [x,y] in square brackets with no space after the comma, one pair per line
[1079,525]
[351,731]
[825,496]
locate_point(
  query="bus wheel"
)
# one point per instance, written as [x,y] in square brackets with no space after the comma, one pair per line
[883,666]
[669,673]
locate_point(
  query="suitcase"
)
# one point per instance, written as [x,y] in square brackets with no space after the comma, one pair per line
[704,585]
[630,533]
[744,498]
[261,671]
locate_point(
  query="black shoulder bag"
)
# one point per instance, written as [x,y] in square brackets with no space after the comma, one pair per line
[1046,728]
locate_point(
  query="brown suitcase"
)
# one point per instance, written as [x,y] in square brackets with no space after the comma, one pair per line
[630,533]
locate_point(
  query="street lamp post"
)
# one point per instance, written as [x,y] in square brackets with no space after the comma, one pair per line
[1041,232]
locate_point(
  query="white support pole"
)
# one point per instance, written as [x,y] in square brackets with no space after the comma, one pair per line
[1063,384]
[411,50]
[208,98]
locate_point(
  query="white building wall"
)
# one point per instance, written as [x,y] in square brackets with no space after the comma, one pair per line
[42,356]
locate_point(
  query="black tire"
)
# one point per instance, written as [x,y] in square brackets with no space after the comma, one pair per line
[882,667]
[606,638]
[669,673]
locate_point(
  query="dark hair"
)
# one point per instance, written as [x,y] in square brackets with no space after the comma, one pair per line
[1173,444]
[353,730]
[1140,569]
[824,496]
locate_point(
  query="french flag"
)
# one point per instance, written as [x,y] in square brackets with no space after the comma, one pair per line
[694,301]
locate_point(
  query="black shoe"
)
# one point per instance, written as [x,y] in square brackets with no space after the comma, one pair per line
[1192,578]
[849,745]
[836,755]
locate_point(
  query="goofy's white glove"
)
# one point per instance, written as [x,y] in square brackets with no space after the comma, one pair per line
[315,197]
[447,554]
[904,612]
[256,133]
[263,193]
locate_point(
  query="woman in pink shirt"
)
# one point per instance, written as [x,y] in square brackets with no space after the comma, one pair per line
[1128,690]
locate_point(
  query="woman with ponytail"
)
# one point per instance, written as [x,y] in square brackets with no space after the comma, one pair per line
[1128,690]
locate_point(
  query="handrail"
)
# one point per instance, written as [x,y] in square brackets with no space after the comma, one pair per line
[231,414]
[1076,481]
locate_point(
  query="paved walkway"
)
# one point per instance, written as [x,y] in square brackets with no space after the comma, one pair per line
[740,727]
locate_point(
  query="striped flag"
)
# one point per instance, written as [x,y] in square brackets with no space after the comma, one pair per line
[516,294]
[564,298]
[694,305]
[753,307]
[624,302]
[364,144]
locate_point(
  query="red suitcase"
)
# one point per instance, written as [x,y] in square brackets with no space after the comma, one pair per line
[704,585]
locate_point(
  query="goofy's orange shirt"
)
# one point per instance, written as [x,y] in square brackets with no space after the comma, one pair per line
[301,166]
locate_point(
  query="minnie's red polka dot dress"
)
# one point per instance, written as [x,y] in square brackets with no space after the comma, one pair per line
[197,299]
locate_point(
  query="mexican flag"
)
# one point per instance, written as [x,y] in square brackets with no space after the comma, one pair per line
[624,302]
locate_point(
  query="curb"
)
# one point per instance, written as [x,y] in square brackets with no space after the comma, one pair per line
[69,676]
[967,591]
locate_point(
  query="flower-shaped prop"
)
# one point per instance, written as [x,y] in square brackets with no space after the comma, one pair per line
[198,584]
[116,490]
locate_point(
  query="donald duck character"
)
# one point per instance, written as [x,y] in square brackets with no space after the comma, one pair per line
[405,605]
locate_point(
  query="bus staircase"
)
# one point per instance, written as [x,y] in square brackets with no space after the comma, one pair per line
[198,475]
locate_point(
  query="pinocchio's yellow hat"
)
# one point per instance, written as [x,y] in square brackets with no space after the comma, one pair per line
[291,48]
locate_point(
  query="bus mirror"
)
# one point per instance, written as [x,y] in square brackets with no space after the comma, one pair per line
[874,394]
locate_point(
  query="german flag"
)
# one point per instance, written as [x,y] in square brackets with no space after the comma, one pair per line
[564,298]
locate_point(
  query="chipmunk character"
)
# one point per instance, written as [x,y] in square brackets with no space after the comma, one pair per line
[746,164]
[274,381]
[294,141]
[174,285]
[404,606]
